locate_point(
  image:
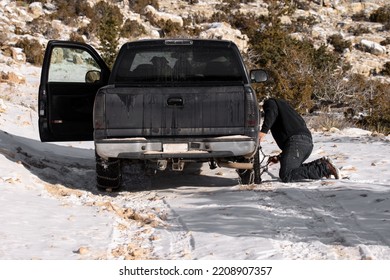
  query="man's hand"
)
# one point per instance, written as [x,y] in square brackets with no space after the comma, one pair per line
[273,159]
[262,136]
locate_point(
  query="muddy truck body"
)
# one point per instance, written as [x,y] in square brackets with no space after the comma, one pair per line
[165,103]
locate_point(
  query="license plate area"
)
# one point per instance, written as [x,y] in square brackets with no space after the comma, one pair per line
[175,148]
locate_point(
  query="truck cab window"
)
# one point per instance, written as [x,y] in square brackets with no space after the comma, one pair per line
[72,66]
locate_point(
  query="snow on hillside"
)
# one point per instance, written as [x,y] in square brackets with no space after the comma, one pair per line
[50,209]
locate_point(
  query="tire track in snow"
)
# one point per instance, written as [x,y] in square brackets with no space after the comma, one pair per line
[176,242]
[321,224]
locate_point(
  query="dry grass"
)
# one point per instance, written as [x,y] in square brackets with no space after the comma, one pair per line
[326,121]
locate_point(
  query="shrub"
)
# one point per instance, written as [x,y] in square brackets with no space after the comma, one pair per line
[40,25]
[385,42]
[359,30]
[168,28]
[339,44]
[326,121]
[386,69]
[246,23]
[360,16]
[69,10]
[132,28]
[219,17]
[32,49]
[28,2]
[4,37]
[75,37]
[372,96]
[139,5]
[379,108]
[191,2]
[303,5]
[290,67]
[381,15]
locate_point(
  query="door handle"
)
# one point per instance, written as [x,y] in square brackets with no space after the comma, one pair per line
[175,101]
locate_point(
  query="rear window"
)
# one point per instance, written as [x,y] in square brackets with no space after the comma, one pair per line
[178,64]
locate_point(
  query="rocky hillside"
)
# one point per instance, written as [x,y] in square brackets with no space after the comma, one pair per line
[368,53]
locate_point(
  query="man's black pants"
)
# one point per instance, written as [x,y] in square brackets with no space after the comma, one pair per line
[297,149]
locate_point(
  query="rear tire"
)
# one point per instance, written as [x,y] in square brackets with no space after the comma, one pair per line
[108,174]
[256,168]
[246,176]
[251,176]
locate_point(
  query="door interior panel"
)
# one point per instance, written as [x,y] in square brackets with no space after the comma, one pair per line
[70,110]
[71,75]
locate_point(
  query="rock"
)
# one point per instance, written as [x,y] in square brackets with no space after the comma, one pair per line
[58,26]
[297,36]
[77,59]
[50,7]
[356,8]
[330,3]
[158,16]
[18,55]
[361,69]
[223,31]
[82,250]
[362,7]
[57,55]
[319,33]
[334,130]
[285,20]
[372,47]
[36,9]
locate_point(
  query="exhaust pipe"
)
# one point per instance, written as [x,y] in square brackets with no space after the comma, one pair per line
[236,165]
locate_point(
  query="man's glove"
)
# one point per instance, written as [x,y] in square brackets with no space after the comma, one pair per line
[273,159]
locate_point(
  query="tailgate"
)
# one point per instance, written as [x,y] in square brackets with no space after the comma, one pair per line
[175,111]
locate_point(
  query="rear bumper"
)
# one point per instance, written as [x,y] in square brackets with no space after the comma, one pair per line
[142,148]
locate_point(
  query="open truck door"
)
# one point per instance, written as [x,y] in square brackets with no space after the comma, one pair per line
[71,75]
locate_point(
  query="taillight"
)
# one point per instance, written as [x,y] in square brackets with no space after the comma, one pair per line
[251,108]
[99,111]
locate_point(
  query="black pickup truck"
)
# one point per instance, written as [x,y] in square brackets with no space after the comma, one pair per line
[165,103]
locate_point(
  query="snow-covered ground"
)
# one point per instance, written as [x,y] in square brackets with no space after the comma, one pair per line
[50,209]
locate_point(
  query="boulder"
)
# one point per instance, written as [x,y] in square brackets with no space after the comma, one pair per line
[57,56]
[223,31]
[36,9]
[372,47]
[16,54]
[162,16]
[286,20]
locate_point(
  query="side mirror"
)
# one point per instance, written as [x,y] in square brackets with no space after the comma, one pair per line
[258,76]
[92,76]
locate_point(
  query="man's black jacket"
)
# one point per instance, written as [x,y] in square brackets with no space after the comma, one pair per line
[283,121]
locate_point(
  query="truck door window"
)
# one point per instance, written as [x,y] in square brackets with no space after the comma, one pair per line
[72,66]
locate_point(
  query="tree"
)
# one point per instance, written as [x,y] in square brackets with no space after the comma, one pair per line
[297,68]
[110,20]
[288,60]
